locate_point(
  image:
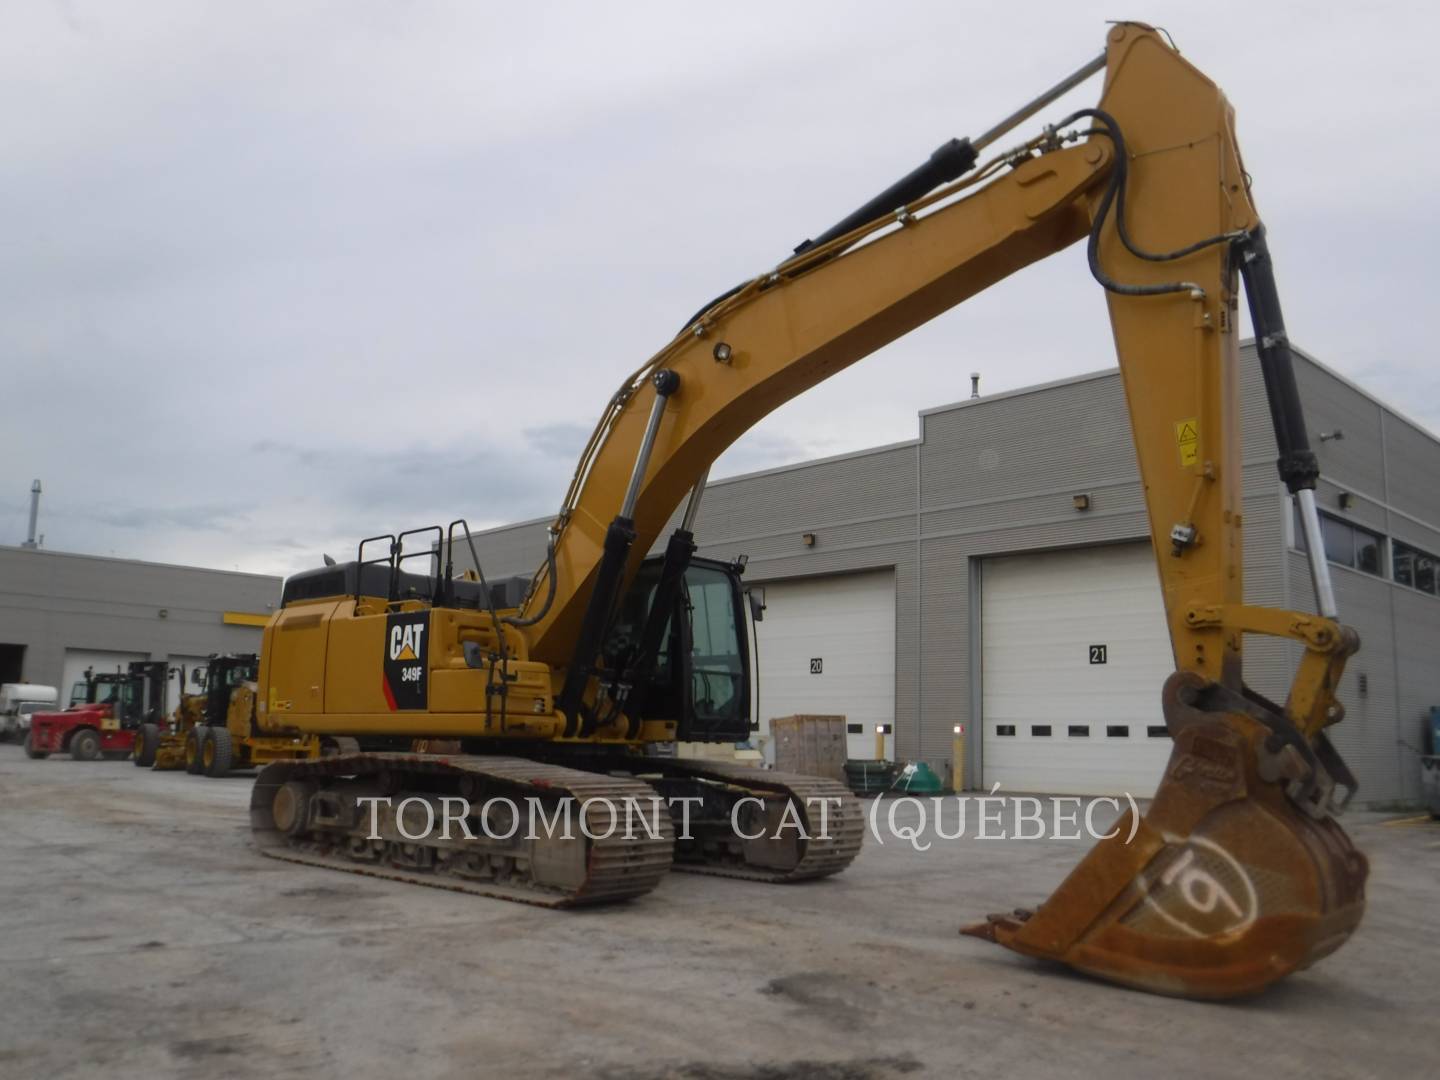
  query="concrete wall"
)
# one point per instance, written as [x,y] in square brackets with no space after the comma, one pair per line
[995,476]
[52,601]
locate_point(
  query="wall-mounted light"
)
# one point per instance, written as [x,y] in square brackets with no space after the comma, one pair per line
[808,539]
[1337,435]
[164,613]
[1346,500]
[1080,502]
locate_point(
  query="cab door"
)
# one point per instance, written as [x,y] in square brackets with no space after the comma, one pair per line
[714,643]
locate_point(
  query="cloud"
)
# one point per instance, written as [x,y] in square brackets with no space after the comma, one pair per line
[564,440]
[201,517]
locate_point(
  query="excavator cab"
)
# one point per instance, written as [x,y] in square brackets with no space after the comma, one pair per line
[700,673]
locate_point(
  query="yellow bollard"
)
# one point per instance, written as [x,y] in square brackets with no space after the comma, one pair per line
[957,763]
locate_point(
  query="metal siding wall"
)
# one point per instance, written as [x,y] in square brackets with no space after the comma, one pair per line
[1060,437]
[1256,432]
[812,498]
[508,551]
[51,601]
[1366,738]
[1269,662]
[1416,643]
[1356,461]
[1381,460]
[1414,458]
[944,684]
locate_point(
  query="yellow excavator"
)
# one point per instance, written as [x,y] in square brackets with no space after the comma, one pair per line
[563,686]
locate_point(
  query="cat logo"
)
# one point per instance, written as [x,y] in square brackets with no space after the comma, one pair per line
[406,680]
[405,641]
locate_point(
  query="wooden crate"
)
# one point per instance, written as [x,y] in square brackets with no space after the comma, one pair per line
[810,745]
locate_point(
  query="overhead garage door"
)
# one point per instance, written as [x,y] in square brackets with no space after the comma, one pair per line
[103,661]
[827,645]
[1074,650]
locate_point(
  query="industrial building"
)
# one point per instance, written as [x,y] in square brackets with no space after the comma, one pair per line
[995,573]
[61,613]
[992,573]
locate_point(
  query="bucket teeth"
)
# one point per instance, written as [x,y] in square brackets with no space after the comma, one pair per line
[1225,887]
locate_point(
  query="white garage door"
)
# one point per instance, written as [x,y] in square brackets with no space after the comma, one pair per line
[77,660]
[1074,649]
[827,645]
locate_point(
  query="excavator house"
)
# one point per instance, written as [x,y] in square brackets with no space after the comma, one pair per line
[564,686]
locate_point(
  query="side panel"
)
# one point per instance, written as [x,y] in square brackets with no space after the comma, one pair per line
[354,676]
[295,651]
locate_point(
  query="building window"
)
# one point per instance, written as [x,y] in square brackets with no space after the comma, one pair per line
[1345,544]
[1413,567]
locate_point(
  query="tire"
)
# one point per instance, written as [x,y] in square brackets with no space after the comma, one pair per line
[32,753]
[147,742]
[85,745]
[218,752]
[193,740]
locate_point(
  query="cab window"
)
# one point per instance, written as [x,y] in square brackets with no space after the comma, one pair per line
[717,664]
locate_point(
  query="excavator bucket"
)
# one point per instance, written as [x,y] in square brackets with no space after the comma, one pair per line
[1224,886]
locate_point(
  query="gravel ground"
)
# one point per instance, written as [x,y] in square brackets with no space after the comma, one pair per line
[142,936]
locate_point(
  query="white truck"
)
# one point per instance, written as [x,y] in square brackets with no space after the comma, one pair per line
[18,701]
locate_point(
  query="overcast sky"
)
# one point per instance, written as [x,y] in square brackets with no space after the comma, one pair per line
[276,276]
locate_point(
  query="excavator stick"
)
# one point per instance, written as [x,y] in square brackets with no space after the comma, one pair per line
[1225,885]
[1238,874]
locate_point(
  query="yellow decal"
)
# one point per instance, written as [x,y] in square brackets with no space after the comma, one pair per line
[1187,437]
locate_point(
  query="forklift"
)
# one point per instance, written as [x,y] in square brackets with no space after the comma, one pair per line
[105,714]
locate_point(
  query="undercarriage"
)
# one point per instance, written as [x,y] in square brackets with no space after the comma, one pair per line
[548,834]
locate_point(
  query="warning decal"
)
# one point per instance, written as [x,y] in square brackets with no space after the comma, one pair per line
[1187,437]
[405,681]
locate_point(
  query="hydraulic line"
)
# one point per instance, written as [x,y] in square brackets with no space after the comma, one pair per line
[1114,197]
